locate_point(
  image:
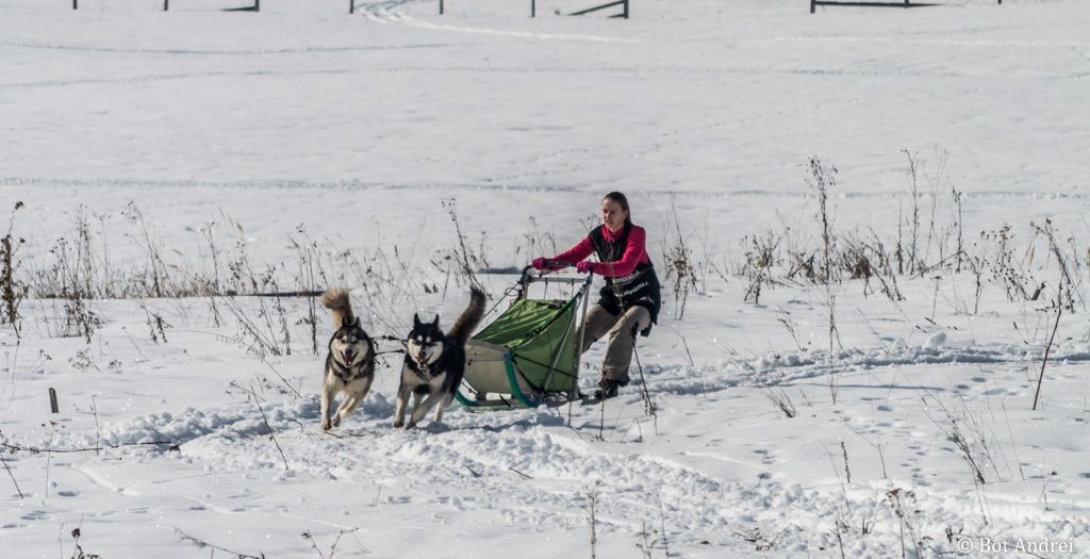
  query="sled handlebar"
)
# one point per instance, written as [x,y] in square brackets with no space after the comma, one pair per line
[549,266]
[529,276]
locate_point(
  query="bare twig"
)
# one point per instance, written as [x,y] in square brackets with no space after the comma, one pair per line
[49,454]
[13,480]
[662,527]
[649,405]
[272,433]
[34,450]
[1048,348]
[782,401]
[522,475]
[847,470]
[203,544]
[593,496]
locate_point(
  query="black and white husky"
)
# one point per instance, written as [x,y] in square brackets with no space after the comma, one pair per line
[350,366]
[435,363]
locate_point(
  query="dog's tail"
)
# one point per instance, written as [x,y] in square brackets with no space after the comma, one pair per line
[470,318]
[337,300]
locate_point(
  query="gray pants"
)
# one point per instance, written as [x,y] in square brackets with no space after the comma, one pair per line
[622,330]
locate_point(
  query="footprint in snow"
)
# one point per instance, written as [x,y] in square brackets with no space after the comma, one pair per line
[938,339]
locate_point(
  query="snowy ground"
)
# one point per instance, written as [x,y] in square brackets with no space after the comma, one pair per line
[303,147]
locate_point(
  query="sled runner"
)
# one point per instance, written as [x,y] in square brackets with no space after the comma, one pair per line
[527,356]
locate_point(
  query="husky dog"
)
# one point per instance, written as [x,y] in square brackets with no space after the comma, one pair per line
[435,363]
[350,366]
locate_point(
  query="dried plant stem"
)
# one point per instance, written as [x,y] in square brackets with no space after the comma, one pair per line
[1048,348]
[649,406]
[272,435]
[593,496]
[662,527]
[203,544]
[49,454]
[13,480]
[9,295]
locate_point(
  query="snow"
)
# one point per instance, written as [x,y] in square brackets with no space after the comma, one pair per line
[302,147]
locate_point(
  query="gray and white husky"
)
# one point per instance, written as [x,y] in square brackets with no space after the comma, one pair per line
[350,365]
[435,363]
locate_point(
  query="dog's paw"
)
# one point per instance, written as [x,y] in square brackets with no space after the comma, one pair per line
[411,425]
[337,421]
[325,425]
[398,423]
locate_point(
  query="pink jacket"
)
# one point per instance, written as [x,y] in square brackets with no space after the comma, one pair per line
[634,253]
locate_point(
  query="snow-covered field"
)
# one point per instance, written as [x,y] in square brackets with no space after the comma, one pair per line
[303,147]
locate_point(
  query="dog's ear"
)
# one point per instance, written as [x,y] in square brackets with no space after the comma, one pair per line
[345,323]
[355,323]
[436,321]
[416,320]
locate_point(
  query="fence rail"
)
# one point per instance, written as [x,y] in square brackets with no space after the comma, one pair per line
[622,3]
[873,4]
[533,7]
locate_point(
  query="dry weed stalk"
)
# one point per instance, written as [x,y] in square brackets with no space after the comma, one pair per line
[592,509]
[897,498]
[679,267]
[782,402]
[1048,347]
[759,540]
[201,544]
[11,293]
[78,552]
[821,179]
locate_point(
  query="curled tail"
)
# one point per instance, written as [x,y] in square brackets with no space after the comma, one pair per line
[337,300]
[470,318]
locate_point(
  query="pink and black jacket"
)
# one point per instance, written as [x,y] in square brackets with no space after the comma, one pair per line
[624,263]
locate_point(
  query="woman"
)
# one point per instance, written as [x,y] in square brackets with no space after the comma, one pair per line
[631,298]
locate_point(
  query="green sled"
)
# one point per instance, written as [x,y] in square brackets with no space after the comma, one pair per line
[527,356]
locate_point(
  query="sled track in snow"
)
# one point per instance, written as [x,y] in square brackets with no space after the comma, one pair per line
[640,72]
[784,369]
[386,13]
[979,43]
[479,458]
[499,186]
[221,52]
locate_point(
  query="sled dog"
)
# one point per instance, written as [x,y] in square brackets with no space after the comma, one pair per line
[350,365]
[435,363]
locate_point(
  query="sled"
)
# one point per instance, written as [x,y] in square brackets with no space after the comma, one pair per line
[527,357]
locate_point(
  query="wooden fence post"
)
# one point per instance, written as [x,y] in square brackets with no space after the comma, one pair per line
[53,406]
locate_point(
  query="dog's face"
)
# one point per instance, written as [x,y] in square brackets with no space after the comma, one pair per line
[350,344]
[424,345]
